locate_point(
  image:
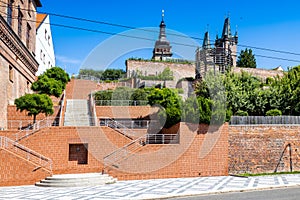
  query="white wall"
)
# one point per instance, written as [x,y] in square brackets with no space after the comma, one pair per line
[44,53]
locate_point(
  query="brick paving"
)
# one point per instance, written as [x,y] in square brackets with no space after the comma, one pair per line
[151,189]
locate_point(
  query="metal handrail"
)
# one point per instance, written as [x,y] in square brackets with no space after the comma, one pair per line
[100,102]
[120,128]
[34,128]
[131,124]
[124,151]
[93,109]
[162,139]
[62,108]
[30,155]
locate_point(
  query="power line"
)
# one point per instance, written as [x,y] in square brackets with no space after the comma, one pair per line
[147,30]
[141,38]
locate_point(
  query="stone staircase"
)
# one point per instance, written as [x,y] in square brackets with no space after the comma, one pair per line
[77,113]
[76,180]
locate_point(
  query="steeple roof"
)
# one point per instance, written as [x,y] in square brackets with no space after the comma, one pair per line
[162,45]
[226,29]
[206,41]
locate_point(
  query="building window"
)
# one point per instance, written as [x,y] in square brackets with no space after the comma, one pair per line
[49,40]
[79,153]
[41,55]
[44,58]
[9,12]
[11,74]
[28,32]
[45,34]
[28,86]
[20,19]
[29,8]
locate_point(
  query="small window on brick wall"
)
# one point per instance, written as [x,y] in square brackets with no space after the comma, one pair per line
[79,153]
[11,74]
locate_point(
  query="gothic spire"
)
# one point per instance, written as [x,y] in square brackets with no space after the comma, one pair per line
[206,41]
[226,29]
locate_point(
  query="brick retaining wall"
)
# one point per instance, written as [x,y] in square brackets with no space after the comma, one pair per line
[261,149]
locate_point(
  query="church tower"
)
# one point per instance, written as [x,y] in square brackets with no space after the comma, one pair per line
[226,47]
[162,49]
[220,57]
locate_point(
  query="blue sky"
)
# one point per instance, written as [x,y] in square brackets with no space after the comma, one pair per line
[267,24]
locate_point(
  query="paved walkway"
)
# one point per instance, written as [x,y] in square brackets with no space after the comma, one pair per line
[151,189]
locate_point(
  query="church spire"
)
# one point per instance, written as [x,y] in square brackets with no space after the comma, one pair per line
[162,47]
[226,29]
[206,41]
[162,26]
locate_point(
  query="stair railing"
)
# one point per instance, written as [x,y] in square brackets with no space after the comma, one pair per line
[26,153]
[114,158]
[93,110]
[62,106]
[120,128]
[33,128]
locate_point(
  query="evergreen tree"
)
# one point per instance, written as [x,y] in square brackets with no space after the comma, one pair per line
[246,59]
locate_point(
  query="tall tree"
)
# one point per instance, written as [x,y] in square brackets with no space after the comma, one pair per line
[46,85]
[170,101]
[35,104]
[246,59]
[58,74]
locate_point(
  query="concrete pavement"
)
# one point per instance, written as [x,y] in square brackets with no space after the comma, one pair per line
[152,189]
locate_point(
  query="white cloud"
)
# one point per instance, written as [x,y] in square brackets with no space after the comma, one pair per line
[64,59]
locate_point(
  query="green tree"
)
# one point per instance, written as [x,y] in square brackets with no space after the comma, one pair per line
[190,110]
[246,59]
[35,104]
[112,74]
[58,74]
[46,85]
[91,72]
[170,101]
[286,92]
[140,95]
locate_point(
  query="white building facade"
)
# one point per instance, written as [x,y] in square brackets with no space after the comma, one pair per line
[44,44]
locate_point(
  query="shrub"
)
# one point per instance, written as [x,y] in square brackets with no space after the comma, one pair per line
[241,113]
[274,112]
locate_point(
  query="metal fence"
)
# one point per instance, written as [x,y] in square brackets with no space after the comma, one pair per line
[130,124]
[121,103]
[28,124]
[265,120]
[162,139]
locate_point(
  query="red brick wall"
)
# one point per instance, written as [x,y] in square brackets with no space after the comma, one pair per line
[260,149]
[124,112]
[17,171]
[196,155]
[15,118]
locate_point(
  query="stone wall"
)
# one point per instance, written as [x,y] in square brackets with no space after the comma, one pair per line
[151,68]
[261,149]
[261,73]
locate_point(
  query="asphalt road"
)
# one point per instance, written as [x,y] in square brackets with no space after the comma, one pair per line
[275,194]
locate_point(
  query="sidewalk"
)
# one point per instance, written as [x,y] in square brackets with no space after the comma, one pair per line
[152,189]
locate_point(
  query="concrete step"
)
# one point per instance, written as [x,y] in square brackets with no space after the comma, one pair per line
[77,113]
[76,180]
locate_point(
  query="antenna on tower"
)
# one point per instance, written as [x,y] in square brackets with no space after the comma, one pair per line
[162,14]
